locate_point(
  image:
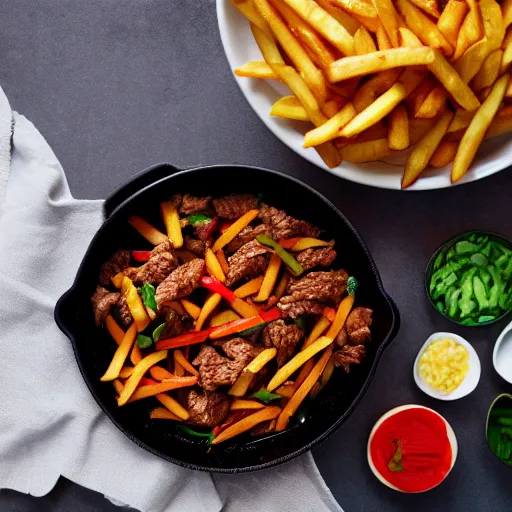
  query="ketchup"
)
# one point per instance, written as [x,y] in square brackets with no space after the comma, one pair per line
[417,438]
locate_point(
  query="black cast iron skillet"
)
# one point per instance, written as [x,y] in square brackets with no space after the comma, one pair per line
[93,348]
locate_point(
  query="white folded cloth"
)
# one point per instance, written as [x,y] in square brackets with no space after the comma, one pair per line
[49,424]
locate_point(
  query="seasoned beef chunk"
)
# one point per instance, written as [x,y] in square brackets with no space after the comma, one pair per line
[342,338]
[125,315]
[245,236]
[264,428]
[161,263]
[117,263]
[205,230]
[284,338]
[191,204]
[311,258]
[174,324]
[206,409]
[102,300]
[235,205]
[347,355]
[282,225]
[249,261]
[176,200]
[216,370]
[358,326]
[326,287]
[194,245]
[300,308]
[180,283]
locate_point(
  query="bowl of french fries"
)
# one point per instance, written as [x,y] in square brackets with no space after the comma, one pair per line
[400,94]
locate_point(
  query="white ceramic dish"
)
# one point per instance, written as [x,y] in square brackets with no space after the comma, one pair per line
[240,47]
[502,354]
[449,431]
[467,385]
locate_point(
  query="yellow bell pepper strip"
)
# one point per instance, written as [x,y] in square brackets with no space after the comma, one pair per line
[235,327]
[249,288]
[125,372]
[188,338]
[223,318]
[172,223]
[161,387]
[297,361]
[117,280]
[222,261]
[307,242]
[180,358]
[135,304]
[159,373]
[213,265]
[161,413]
[234,229]
[115,331]
[283,284]
[173,406]
[140,369]
[341,315]
[135,356]
[210,304]
[118,386]
[121,354]
[288,243]
[303,391]
[294,266]
[191,308]
[270,278]
[318,329]
[179,371]
[240,387]
[268,413]
[150,233]
[261,360]
[239,404]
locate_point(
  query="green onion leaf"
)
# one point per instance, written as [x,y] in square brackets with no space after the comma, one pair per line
[208,435]
[266,396]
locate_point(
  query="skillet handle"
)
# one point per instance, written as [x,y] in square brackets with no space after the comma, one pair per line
[138,182]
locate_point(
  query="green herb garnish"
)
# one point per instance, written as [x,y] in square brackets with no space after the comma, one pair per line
[147,292]
[158,331]
[144,341]
[352,285]
[207,435]
[199,218]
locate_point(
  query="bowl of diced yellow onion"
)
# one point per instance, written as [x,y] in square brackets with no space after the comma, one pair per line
[447,367]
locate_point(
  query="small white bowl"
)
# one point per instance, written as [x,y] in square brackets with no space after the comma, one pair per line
[502,354]
[470,380]
[449,432]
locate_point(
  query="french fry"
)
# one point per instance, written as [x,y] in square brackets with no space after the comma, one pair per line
[115,331]
[135,304]
[318,329]
[388,17]
[360,7]
[283,284]
[348,67]
[208,307]
[173,406]
[374,87]
[469,64]
[269,280]
[249,288]
[398,135]
[506,58]
[428,6]
[192,309]
[408,38]
[240,387]
[361,152]
[363,42]
[247,8]
[256,69]
[239,404]
[489,71]
[433,104]
[140,369]
[297,361]
[423,27]
[222,261]
[350,24]
[377,131]
[159,373]
[444,154]
[171,219]
[180,358]
[213,265]
[161,413]
[470,31]
[330,129]
[261,360]
[118,386]
[476,130]
[286,390]
[423,151]
[117,280]
[460,120]
[289,107]
[451,20]
[416,99]
[268,413]
[223,318]
[234,229]
[149,232]
[156,389]
[493,24]
[324,24]
[418,128]
[341,316]
[135,354]
[506,10]
[303,391]
[499,126]
[383,40]
[372,24]
[125,372]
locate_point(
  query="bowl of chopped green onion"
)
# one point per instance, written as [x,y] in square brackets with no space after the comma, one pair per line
[499,428]
[469,278]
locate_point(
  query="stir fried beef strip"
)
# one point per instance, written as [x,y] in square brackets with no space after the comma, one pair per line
[124,314]
[194,245]
[239,349]
[235,205]
[102,301]
[300,308]
[311,258]
[161,263]
[246,235]
[347,355]
[117,263]
[191,204]
[179,283]
[204,230]
[249,261]
[282,225]
[284,338]
[207,409]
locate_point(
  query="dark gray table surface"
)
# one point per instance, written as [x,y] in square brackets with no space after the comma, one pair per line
[118,86]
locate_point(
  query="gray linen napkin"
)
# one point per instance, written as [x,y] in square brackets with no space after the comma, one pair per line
[50,425]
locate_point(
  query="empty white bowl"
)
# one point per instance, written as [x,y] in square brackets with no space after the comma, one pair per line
[502,354]
[470,380]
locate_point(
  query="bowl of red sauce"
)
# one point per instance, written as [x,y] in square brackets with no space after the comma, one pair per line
[412,449]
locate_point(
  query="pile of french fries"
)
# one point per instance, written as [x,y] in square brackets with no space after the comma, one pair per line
[376,77]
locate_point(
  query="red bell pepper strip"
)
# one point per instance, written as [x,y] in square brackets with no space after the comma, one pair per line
[189,338]
[187,352]
[271,315]
[235,326]
[329,313]
[141,256]
[288,243]
[225,226]
[217,287]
